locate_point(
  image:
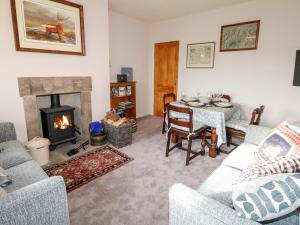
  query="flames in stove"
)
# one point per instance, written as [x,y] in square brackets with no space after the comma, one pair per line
[62,122]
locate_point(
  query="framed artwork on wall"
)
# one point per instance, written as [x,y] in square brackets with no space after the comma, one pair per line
[240,36]
[200,55]
[50,26]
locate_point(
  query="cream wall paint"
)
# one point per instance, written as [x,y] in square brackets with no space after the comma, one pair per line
[18,64]
[128,48]
[252,78]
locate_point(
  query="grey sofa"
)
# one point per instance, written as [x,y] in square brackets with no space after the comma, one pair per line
[33,198]
[211,203]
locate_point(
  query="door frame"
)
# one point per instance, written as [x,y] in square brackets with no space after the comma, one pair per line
[155,69]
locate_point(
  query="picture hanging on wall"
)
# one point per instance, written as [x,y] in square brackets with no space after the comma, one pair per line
[48,26]
[200,55]
[240,36]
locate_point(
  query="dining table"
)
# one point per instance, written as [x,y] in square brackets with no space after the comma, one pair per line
[212,116]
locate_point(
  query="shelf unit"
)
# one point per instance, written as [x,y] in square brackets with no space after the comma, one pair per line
[115,100]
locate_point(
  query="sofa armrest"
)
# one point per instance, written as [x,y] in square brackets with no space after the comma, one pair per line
[7,132]
[189,207]
[43,203]
[255,134]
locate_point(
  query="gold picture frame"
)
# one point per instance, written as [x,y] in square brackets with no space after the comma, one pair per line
[49,26]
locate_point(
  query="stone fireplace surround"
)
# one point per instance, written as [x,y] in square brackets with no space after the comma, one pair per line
[32,87]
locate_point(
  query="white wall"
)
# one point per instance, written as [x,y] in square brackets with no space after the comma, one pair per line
[128,48]
[18,64]
[252,78]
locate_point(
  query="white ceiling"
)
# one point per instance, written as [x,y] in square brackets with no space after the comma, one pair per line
[157,10]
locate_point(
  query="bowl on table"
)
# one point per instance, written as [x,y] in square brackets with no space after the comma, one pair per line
[204,99]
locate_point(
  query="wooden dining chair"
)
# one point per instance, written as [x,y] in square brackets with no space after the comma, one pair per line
[227,97]
[182,127]
[167,98]
[238,128]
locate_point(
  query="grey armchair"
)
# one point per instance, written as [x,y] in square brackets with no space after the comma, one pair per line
[33,198]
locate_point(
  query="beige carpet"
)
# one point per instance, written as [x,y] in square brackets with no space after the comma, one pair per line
[137,193]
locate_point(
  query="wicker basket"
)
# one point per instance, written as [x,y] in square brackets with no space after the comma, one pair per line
[119,136]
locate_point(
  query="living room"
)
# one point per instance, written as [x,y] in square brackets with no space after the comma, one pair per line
[144,188]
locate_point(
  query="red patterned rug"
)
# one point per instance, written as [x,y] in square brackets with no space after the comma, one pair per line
[83,169]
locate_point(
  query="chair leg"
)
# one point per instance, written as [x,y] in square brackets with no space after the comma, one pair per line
[164,126]
[188,155]
[168,144]
[229,140]
[203,143]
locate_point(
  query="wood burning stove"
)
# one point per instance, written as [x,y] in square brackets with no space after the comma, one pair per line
[58,122]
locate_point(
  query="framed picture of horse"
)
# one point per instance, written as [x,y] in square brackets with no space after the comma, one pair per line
[49,26]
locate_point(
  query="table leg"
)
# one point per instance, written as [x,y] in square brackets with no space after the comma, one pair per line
[213,147]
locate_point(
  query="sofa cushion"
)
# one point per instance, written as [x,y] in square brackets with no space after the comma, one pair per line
[218,188]
[241,157]
[24,174]
[12,153]
[268,198]
[279,165]
[255,134]
[282,141]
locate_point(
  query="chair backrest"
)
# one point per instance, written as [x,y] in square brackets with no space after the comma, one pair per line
[178,121]
[256,115]
[227,97]
[167,98]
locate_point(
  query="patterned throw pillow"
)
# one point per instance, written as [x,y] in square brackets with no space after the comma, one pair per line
[267,198]
[280,165]
[282,141]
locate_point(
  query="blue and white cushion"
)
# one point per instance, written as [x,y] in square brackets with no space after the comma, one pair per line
[267,198]
[241,125]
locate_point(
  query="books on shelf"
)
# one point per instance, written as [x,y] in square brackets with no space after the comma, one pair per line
[121,91]
[125,105]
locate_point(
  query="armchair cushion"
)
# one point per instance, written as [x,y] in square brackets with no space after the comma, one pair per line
[12,153]
[7,132]
[241,125]
[24,174]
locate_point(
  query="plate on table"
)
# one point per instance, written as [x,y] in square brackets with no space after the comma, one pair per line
[223,104]
[190,99]
[196,104]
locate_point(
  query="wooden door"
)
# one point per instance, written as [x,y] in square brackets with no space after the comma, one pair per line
[165,72]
